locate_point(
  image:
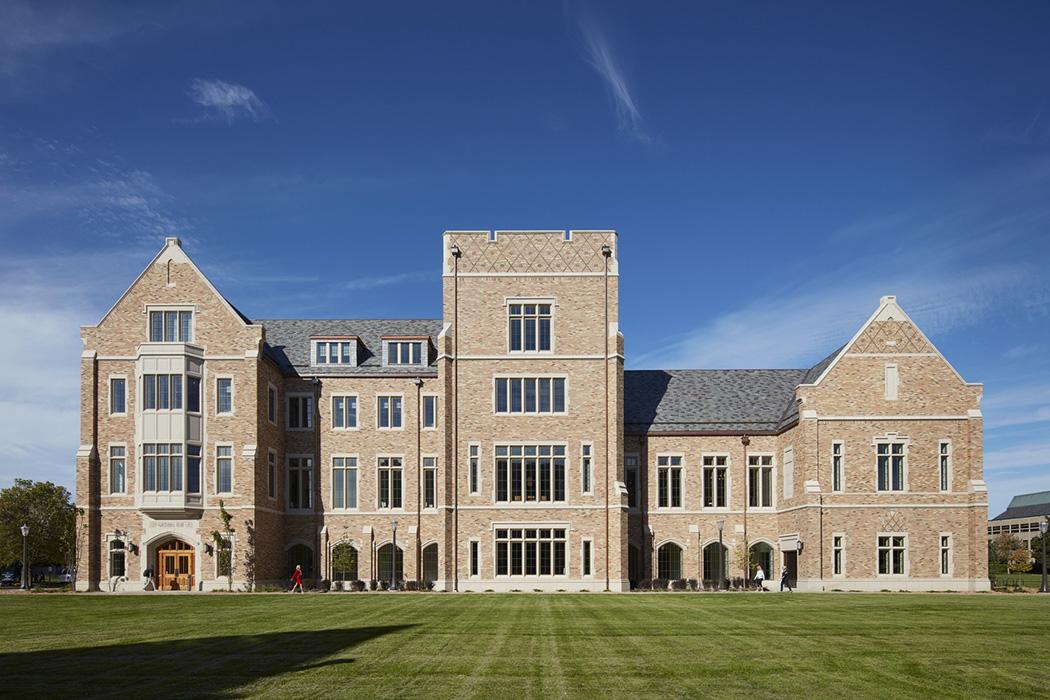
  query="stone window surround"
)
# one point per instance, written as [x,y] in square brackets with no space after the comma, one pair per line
[681,475]
[584,560]
[533,375]
[637,479]
[424,351]
[842,573]
[276,403]
[391,395]
[423,470]
[331,476]
[523,503]
[271,478]
[288,478]
[192,308]
[949,455]
[474,573]
[728,466]
[401,470]
[951,554]
[109,468]
[887,438]
[334,339]
[532,525]
[422,410]
[357,412]
[587,462]
[907,559]
[842,466]
[109,388]
[476,458]
[233,395]
[288,412]
[507,301]
[772,482]
[231,457]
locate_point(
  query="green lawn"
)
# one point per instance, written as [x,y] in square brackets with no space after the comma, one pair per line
[435,645]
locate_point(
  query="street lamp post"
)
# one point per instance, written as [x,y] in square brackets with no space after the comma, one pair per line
[720,524]
[1042,537]
[25,557]
[393,558]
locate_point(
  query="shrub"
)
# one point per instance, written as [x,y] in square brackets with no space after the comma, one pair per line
[644,584]
[411,586]
[326,585]
[373,585]
[694,585]
[659,584]
[428,585]
[357,585]
[678,584]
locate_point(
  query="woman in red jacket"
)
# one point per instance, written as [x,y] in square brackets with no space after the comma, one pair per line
[297,578]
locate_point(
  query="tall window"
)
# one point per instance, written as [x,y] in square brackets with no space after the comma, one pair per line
[669,481]
[223,469]
[333,352]
[837,554]
[530,552]
[390,482]
[193,394]
[300,412]
[224,395]
[271,404]
[585,558]
[760,481]
[344,482]
[529,327]
[530,473]
[162,391]
[630,477]
[946,554]
[118,395]
[890,465]
[716,481]
[271,474]
[389,413]
[300,483]
[117,469]
[171,326]
[408,352]
[944,465]
[669,561]
[475,558]
[475,468]
[586,470]
[430,407]
[836,466]
[193,468]
[530,395]
[891,554]
[344,411]
[161,467]
[430,482]
[117,558]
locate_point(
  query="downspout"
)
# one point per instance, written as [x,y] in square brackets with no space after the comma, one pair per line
[455,419]
[419,480]
[745,441]
[607,252]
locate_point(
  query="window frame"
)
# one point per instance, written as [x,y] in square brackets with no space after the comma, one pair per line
[474,470]
[944,463]
[288,469]
[357,412]
[587,468]
[905,564]
[218,395]
[390,412]
[110,457]
[311,414]
[356,468]
[508,303]
[272,393]
[231,457]
[123,550]
[509,539]
[433,469]
[669,467]
[548,378]
[714,467]
[433,398]
[636,493]
[587,557]
[524,502]
[890,439]
[400,469]
[424,351]
[272,492]
[161,308]
[840,466]
[327,341]
[772,467]
[118,378]
[839,549]
[474,558]
[946,554]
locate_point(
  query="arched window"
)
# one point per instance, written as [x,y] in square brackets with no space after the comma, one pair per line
[634,560]
[430,562]
[344,562]
[303,556]
[762,555]
[387,560]
[712,562]
[669,561]
[117,558]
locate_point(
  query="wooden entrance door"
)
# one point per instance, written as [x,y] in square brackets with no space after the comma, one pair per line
[175,566]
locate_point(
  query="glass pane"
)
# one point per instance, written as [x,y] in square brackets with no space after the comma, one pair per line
[171,319]
[559,395]
[193,391]
[186,326]
[156,326]
[351,488]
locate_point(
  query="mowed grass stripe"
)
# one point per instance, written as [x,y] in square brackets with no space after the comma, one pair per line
[525,645]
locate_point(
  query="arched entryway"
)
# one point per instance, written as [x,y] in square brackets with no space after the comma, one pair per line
[669,561]
[713,561]
[762,555]
[430,562]
[302,555]
[175,566]
[391,566]
[344,562]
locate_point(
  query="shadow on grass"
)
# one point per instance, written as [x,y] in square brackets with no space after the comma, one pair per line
[207,667]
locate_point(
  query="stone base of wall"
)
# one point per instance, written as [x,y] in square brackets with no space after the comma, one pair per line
[593,585]
[966,585]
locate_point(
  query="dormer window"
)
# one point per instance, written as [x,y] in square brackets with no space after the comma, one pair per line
[404,352]
[334,351]
[171,326]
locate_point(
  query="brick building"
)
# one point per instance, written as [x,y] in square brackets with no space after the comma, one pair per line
[509,445]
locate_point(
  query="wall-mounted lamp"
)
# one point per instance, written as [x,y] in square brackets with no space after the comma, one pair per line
[455,251]
[209,550]
[133,548]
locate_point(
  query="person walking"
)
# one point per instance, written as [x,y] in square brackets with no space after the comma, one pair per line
[760,579]
[297,579]
[784,581]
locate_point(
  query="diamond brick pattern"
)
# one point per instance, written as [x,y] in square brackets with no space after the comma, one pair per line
[532,252]
[891,336]
[892,522]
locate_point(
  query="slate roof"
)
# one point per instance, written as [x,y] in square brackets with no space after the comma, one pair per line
[714,400]
[288,343]
[1027,505]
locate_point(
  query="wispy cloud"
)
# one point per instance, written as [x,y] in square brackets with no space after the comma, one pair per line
[600,55]
[363,283]
[228,101]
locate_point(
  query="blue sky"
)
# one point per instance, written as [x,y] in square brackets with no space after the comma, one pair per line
[772,170]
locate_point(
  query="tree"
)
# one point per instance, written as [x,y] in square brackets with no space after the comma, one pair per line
[223,546]
[1037,550]
[48,510]
[1005,553]
[249,556]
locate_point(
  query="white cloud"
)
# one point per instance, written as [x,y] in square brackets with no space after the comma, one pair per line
[228,101]
[362,283]
[600,56]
